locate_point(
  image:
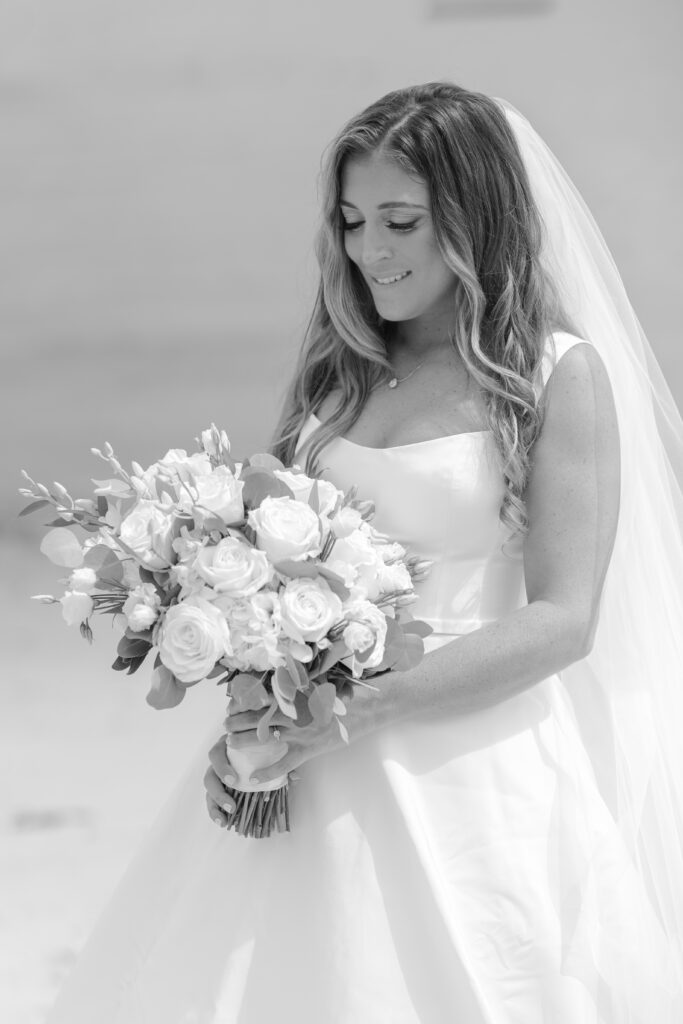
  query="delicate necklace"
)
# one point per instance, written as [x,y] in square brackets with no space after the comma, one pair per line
[395,381]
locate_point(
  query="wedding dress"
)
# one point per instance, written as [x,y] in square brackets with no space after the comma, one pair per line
[455,867]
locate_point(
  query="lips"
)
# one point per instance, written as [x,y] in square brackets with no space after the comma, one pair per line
[387,279]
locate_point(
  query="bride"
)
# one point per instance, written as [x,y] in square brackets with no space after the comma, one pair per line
[501,841]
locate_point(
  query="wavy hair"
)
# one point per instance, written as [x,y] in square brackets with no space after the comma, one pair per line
[489,233]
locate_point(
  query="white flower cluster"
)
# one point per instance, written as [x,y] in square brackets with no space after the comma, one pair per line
[251,567]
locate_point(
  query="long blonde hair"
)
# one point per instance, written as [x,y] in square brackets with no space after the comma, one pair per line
[489,233]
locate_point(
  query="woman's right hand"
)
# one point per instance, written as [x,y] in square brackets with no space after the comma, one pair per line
[218,775]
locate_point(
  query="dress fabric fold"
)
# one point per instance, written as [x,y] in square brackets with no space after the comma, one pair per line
[453,867]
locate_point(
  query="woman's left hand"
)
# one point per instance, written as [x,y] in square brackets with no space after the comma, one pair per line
[302,741]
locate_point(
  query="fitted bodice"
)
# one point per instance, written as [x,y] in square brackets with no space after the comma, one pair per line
[441,499]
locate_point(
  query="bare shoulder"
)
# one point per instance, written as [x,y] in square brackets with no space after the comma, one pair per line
[578,401]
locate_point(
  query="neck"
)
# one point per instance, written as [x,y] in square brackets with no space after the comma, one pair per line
[418,344]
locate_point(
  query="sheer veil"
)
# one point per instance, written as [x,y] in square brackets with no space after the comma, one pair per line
[628,693]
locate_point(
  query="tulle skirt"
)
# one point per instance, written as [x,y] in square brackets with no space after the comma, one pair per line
[454,867]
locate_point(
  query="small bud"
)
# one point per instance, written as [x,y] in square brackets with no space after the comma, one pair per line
[108,450]
[96,451]
[61,491]
[42,489]
[137,468]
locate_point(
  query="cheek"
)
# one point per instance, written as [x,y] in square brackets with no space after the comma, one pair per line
[351,246]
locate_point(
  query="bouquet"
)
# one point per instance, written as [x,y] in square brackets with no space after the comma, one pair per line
[249,574]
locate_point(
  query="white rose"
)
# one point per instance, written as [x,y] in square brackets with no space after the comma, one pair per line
[302,485]
[218,494]
[358,637]
[345,522]
[391,552]
[286,528]
[394,577]
[309,608]
[233,567]
[370,618]
[192,637]
[175,464]
[83,579]
[147,530]
[76,607]
[357,550]
[141,607]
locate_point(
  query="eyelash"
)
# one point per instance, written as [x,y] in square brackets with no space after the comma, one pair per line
[390,224]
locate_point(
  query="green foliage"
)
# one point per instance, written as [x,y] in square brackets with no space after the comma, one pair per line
[247,692]
[321,702]
[259,484]
[166,691]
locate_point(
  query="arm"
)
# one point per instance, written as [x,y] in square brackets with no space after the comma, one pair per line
[572,504]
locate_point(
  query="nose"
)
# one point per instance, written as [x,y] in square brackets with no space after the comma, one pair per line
[376,247]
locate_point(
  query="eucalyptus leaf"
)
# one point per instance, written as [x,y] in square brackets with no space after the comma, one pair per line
[297,671]
[34,506]
[411,655]
[130,648]
[417,626]
[286,685]
[62,548]
[260,484]
[314,498]
[99,555]
[166,691]
[264,722]
[264,460]
[321,702]
[247,692]
[284,691]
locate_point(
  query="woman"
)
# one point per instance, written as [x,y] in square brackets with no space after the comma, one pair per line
[498,842]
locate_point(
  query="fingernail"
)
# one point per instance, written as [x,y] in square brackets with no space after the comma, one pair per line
[219,821]
[229,780]
[229,807]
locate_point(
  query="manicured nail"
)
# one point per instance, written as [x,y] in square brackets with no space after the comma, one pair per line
[229,807]
[229,780]
[219,821]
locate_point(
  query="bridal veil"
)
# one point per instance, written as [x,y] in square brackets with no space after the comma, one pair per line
[627,694]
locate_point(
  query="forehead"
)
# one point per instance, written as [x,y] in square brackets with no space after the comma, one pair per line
[368,180]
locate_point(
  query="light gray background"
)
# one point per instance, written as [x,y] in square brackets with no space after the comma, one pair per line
[158,176]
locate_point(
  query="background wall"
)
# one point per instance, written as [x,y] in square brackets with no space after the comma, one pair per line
[158,167]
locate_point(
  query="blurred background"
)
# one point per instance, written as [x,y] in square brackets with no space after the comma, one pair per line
[158,199]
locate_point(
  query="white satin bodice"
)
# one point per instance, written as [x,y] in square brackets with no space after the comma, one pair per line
[441,499]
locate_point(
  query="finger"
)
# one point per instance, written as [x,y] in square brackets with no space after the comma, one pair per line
[242,720]
[273,771]
[215,789]
[215,813]
[218,756]
[250,719]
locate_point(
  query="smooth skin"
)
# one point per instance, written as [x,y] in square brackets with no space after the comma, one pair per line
[572,496]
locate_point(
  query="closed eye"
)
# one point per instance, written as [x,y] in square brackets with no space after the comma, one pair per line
[390,224]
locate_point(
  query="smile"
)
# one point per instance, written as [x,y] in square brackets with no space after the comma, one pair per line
[391,280]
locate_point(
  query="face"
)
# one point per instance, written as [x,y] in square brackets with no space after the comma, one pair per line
[389,235]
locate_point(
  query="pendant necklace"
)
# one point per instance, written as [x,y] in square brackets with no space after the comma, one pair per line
[395,381]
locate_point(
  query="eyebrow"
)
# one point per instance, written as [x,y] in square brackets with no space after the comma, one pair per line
[386,206]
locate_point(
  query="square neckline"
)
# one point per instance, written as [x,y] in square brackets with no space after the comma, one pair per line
[411,444]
